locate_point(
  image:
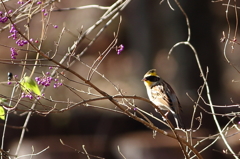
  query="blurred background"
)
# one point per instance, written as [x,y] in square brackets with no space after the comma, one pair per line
[148,31]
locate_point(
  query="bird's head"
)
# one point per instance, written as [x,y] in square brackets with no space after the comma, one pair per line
[151,78]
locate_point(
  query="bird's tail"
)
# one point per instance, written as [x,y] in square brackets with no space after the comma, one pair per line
[179,121]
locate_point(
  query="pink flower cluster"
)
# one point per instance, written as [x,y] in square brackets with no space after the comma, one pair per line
[30,96]
[13,53]
[14,36]
[46,81]
[120,48]
[3,17]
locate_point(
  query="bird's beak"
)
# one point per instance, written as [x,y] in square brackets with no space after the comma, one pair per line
[144,79]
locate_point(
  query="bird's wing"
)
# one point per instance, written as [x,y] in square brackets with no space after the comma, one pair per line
[160,96]
[164,94]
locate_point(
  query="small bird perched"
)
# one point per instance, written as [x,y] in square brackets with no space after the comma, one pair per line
[162,95]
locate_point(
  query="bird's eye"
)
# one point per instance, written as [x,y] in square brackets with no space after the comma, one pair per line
[152,78]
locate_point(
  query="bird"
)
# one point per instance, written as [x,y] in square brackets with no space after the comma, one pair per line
[163,96]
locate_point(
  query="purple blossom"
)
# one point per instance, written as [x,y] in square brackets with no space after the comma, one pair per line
[27,95]
[14,36]
[13,32]
[46,80]
[120,48]
[57,84]
[44,12]
[13,53]
[21,42]
[30,96]
[20,2]
[3,18]
[23,94]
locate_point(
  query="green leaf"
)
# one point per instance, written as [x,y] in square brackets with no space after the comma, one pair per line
[2,100]
[2,113]
[29,85]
